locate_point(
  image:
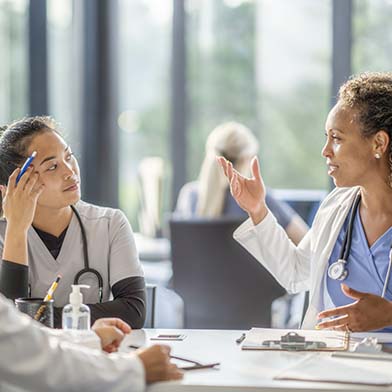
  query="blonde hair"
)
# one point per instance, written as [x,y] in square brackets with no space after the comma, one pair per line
[236,143]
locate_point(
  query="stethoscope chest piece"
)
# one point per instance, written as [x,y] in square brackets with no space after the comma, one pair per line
[338,270]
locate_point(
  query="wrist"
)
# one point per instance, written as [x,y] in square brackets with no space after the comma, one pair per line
[16,230]
[258,215]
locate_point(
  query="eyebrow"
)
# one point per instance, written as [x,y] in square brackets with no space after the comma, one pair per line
[52,157]
[334,130]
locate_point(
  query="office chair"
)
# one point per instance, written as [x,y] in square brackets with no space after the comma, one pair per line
[151,300]
[222,285]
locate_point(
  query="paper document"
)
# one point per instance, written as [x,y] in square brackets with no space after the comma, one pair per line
[334,340]
[322,367]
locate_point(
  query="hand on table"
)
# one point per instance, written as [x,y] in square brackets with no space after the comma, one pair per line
[111,332]
[157,365]
[369,312]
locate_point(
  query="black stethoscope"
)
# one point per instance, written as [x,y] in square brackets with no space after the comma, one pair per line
[338,270]
[87,268]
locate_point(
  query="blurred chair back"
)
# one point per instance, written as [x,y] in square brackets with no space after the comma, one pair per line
[151,300]
[221,284]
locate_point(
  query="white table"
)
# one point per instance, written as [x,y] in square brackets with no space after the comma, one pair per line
[239,370]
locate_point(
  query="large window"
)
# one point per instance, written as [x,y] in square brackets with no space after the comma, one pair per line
[14,60]
[260,63]
[64,80]
[144,95]
[372,39]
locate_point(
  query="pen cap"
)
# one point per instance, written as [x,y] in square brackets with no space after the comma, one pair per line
[76,297]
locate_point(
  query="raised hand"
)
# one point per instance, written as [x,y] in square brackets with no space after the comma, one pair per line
[20,200]
[249,193]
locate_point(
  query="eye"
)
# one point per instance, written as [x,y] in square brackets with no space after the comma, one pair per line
[52,168]
[69,156]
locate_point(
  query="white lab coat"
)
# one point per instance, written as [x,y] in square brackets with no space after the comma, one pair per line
[303,267]
[35,359]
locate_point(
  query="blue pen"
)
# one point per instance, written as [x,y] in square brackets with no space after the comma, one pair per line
[26,165]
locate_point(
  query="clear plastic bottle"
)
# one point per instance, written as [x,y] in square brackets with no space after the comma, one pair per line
[76,315]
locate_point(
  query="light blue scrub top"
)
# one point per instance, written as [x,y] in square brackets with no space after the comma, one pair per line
[367,267]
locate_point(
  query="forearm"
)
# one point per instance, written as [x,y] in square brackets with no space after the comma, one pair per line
[269,244]
[15,245]
[14,279]
[29,356]
[129,303]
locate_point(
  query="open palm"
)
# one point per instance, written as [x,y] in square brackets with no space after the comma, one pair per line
[249,193]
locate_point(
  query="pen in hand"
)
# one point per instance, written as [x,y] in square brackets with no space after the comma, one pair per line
[26,166]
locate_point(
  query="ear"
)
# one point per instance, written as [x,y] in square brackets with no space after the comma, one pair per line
[381,142]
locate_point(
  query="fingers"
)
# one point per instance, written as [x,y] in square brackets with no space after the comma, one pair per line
[349,292]
[255,167]
[12,179]
[25,178]
[31,182]
[115,322]
[341,310]
[222,163]
[337,323]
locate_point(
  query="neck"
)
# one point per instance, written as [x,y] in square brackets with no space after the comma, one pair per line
[376,199]
[52,221]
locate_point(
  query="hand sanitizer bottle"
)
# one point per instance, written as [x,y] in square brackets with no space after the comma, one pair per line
[76,315]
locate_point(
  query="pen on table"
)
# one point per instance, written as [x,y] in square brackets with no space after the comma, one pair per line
[48,297]
[241,338]
[26,165]
[173,357]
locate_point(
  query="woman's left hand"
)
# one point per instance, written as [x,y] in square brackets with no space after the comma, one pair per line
[111,332]
[368,312]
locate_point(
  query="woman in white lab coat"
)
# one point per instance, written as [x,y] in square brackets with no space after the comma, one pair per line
[356,293]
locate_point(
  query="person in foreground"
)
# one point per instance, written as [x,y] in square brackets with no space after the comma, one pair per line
[345,258]
[46,230]
[40,359]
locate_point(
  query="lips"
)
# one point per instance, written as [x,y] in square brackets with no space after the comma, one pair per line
[72,187]
[331,168]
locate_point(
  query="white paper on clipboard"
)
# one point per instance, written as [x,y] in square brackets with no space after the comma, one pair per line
[321,367]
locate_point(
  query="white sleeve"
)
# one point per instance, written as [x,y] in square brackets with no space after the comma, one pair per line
[269,244]
[123,259]
[34,360]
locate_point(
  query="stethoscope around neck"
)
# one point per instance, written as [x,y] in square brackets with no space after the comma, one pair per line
[87,269]
[338,270]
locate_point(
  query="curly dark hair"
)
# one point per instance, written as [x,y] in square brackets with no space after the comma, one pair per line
[370,94]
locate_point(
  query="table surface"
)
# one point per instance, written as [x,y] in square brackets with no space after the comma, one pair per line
[239,370]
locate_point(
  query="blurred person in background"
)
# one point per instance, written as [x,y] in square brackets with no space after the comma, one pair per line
[210,196]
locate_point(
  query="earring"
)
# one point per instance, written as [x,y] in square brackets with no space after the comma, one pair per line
[377,155]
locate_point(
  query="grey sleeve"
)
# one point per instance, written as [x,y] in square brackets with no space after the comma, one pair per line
[281,210]
[123,258]
[34,360]
[14,279]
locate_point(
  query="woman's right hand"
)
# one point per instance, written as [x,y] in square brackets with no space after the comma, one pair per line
[249,193]
[20,200]
[157,365]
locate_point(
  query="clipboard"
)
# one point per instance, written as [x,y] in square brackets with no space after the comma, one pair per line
[297,340]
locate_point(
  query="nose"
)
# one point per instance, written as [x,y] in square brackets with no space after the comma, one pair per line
[68,171]
[326,151]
